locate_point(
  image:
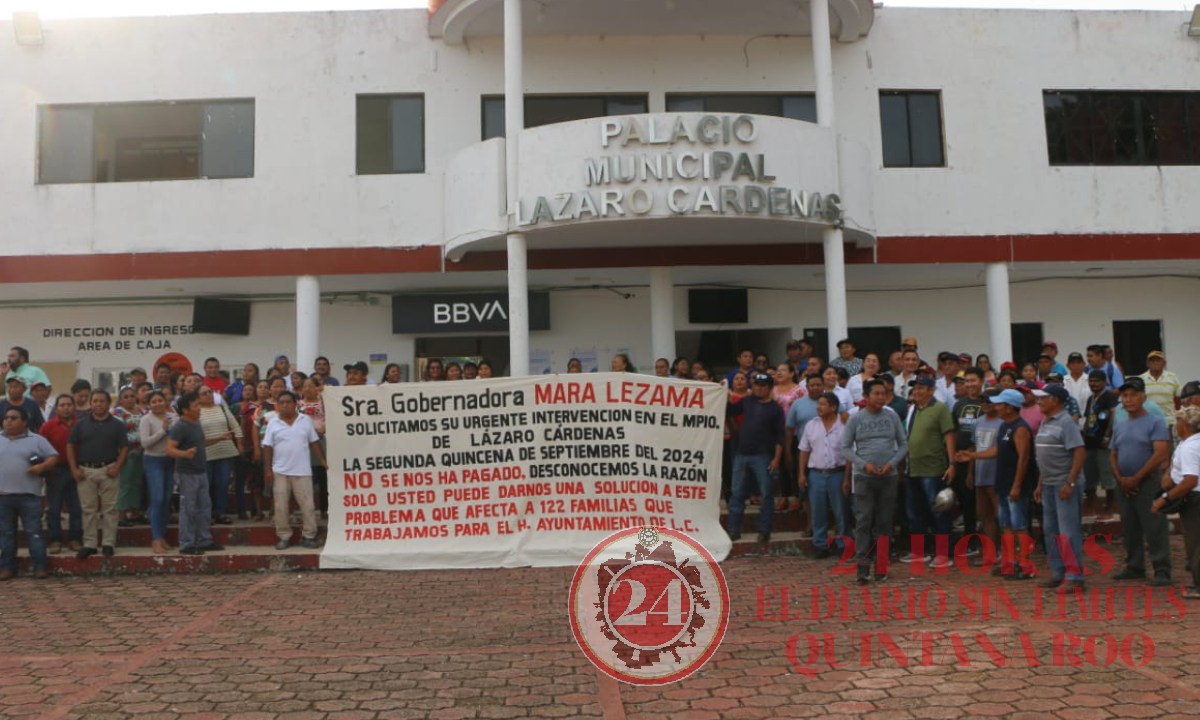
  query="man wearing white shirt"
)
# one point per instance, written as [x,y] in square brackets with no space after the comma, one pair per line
[1076,380]
[286,445]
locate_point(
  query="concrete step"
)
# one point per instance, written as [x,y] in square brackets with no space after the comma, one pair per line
[142,561]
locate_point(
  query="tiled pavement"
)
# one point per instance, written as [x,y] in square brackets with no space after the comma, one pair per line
[497,644]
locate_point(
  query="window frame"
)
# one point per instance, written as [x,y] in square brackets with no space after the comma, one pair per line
[44,110]
[605,97]
[424,117]
[941,128]
[772,94]
[1059,136]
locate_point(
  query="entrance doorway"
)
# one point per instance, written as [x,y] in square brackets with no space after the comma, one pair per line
[881,340]
[1133,340]
[493,348]
[718,349]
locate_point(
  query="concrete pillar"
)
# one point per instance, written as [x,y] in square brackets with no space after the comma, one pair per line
[662,314]
[308,321]
[999,313]
[837,319]
[514,123]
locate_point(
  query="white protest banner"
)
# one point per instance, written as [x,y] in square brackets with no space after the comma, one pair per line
[518,471]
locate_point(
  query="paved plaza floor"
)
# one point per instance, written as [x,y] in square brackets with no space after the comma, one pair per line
[497,644]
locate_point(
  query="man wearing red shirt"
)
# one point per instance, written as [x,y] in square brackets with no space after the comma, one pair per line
[60,485]
[213,377]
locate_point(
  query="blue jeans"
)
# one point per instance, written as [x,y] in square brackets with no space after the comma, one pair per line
[1014,514]
[158,478]
[27,507]
[922,491]
[755,465]
[60,488]
[218,485]
[824,495]
[1062,523]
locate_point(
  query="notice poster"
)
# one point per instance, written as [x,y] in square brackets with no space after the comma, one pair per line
[518,471]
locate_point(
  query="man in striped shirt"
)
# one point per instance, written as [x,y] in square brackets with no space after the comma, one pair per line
[1162,387]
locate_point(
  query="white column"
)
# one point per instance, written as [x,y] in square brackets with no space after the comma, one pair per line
[835,256]
[308,321]
[837,317]
[514,122]
[999,313]
[662,313]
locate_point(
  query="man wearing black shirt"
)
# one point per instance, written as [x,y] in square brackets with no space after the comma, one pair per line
[16,398]
[1097,431]
[96,450]
[967,410]
[759,449]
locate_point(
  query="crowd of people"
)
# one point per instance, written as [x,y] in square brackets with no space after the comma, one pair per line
[167,443]
[894,452]
[861,447]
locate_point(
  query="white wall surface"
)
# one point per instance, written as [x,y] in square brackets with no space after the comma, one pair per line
[1074,313]
[304,71]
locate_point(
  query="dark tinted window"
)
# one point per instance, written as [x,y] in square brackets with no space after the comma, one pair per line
[794,106]
[116,142]
[390,134]
[912,129]
[547,109]
[1086,127]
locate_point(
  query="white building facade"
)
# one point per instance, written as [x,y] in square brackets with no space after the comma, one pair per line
[983,180]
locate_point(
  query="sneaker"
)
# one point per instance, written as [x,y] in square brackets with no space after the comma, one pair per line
[1073,584]
[762,537]
[108,551]
[41,573]
[864,579]
[735,536]
[881,577]
[907,558]
[75,546]
[1129,574]
[309,543]
[1019,574]
[282,544]
[54,548]
[212,547]
[973,551]
[85,553]
[820,554]
[1050,583]
[1161,581]
[191,551]
[940,562]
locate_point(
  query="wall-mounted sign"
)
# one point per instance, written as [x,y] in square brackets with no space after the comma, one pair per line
[462,313]
[681,164]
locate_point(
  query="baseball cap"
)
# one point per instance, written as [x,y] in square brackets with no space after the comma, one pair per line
[1097,375]
[1008,365]
[965,358]
[946,355]
[1156,354]
[1044,355]
[1010,397]
[1133,383]
[960,378]
[39,383]
[1189,389]
[16,378]
[755,379]
[1054,377]
[910,340]
[359,366]
[1049,344]
[1055,391]
[1074,357]
[923,380]
[280,357]
[990,394]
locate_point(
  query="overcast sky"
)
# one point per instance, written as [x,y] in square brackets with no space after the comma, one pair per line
[87,8]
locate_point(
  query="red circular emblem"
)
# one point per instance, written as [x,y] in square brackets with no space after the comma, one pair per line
[649,606]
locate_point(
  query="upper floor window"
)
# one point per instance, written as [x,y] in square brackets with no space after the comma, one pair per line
[1087,127]
[390,134]
[912,128]
[547,109]
[116,142]
[794,106]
